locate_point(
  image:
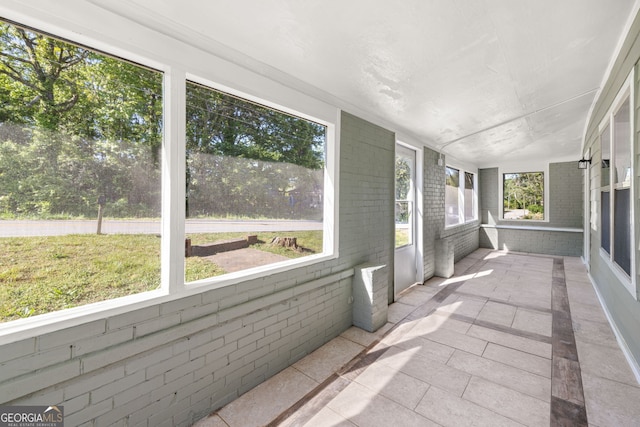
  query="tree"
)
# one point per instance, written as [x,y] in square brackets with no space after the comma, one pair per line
[76,124]
[79,124]
[247,159]
[218,123]
[524,191]
[45,68]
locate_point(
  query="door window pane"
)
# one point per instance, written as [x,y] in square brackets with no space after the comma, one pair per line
[405,169]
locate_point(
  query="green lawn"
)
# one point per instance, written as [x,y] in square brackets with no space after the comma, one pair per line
[43,274]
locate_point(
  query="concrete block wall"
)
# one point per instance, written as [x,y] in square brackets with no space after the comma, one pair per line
[534,241]
[465,237]
[566,200]
[488,197]
[370,304]
[564,210]
[367,185]
[467,240]
[170,364]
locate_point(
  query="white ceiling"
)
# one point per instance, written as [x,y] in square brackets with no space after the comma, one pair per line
[486,81]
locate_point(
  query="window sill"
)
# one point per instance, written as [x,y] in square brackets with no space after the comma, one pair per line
[50,322]
[620,274]
[533,228]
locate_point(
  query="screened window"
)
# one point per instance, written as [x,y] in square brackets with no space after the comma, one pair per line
[255,184]
[460,196]
[523,196]
[80,181]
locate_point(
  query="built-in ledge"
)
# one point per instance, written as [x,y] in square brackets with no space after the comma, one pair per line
[533,228]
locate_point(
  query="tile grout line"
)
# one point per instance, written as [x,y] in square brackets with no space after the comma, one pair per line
[352,369]
[501,328]
[567,395]
[510,303]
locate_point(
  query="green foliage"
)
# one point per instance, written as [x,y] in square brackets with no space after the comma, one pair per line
[43,75]
[246,159]
[534,209]
[402,237]
[221,124]
[524,191]
[403,177]
[76,125]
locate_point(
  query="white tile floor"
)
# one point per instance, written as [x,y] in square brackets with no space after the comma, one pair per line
[480,354]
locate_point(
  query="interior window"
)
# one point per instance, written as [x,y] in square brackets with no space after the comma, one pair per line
[622,180]
[615,190]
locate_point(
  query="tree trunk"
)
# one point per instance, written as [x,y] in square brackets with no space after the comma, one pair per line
[287,242]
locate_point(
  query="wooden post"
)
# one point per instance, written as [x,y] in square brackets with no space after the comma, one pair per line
[101,201]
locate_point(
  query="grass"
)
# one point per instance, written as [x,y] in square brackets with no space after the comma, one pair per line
[49,273]
[402,237]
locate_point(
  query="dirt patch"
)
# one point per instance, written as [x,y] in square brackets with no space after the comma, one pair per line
[242,259]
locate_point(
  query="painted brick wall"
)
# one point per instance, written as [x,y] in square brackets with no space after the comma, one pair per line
[367,181]
[172,363]
[465,237]
[488,195]
[565,210]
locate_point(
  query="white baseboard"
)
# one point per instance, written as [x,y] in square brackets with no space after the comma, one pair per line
[633,363]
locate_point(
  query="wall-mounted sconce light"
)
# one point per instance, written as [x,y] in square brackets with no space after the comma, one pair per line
[583,163]
[440,161]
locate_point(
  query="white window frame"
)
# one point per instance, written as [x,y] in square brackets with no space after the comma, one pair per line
[329,250]
[522,168]
[627,91]
[474,197]
[175,76]
[461,199]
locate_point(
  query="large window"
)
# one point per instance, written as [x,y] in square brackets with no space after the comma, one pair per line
[86,215]
[616,185]
[80,181]
[460,197]
[523,196]
[255,184]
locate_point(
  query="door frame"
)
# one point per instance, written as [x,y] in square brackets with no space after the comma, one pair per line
[417,215]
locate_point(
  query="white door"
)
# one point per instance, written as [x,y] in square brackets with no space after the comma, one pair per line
[405,270]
